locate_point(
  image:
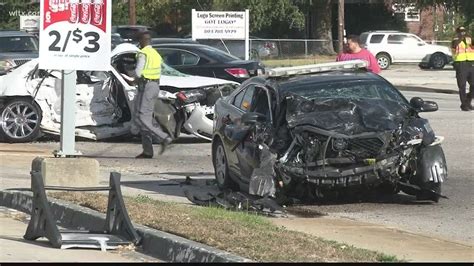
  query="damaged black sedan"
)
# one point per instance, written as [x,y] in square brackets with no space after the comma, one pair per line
[325,130]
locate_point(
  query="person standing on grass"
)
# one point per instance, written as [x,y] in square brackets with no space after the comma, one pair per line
[355,51]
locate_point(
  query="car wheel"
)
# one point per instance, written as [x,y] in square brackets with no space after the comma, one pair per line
[221,167]
[438,61]
[383,60]
[20,120]
[424,66]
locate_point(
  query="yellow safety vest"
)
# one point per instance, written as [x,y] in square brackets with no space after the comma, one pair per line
[463,52]
[152,69]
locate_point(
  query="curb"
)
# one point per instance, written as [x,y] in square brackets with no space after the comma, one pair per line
[162,245]
[425,89]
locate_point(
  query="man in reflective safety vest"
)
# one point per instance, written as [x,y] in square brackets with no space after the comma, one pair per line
[148,72]
[463,56]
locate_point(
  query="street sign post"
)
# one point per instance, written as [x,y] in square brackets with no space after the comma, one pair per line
[73,36]
[221,25]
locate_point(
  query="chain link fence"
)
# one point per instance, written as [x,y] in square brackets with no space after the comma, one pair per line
[282,52]
[275,48]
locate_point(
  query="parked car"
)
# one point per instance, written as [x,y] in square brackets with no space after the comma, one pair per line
[203,60]
[30,99]
[319,131]
[130,32]
[391,47]
[116,39]
[155,41]
[259,48]
[16,48]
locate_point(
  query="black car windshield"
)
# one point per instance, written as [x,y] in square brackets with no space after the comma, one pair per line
[376,90]
[219,55]
[18,44]
[349,107]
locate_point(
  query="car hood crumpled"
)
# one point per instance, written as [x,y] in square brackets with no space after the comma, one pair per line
[346,116]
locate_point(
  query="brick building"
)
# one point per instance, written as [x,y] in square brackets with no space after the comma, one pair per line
[425,23]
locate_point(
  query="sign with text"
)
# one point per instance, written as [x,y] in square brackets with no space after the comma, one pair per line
[227,25]
[29,23]
[75,35]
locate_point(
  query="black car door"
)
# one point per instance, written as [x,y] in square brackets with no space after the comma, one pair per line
[234,131]
[245,155]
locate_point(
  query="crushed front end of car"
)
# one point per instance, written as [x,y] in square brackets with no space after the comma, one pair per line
[340,146]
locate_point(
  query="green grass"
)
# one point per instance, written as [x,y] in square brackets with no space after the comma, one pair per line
[242,233]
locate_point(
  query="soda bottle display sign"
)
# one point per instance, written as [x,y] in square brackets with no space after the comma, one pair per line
[75,34]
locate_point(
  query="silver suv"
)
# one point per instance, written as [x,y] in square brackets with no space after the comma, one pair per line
[16,48]
[391,47]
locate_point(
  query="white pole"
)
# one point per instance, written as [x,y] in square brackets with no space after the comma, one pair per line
[247,29]
[193,17]
[68,115]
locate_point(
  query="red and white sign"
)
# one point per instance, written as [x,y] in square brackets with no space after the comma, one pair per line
[75,34]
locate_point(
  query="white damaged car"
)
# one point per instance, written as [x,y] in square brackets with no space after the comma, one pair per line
[30,101]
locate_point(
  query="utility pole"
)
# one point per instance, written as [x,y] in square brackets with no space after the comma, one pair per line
[132,16]
[340,21]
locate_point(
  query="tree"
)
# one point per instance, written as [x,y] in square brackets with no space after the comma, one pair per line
[463,7]
[9,12]
[267,14]
[321,28]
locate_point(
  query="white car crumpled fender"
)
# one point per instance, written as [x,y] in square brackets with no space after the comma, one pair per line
[198,123]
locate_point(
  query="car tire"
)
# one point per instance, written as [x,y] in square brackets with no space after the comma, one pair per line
[20,120]
[221,167]
[383,60]
[423,66]
[438,61]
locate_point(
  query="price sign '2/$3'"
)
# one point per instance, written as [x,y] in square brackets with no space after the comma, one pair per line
[77,37]
[77,32]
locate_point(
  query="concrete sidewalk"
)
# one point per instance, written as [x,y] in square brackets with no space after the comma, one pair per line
[404,245]
[411,78]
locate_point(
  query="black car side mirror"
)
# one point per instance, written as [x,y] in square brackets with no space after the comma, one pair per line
[423,106]
[252,118]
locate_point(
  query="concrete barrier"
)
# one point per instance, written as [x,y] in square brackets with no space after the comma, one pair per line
[72,172]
